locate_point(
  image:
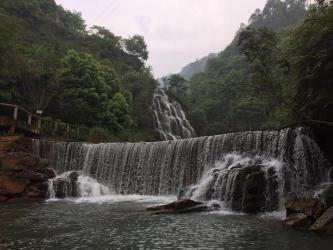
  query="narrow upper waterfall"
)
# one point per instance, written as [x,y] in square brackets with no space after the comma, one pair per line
[169,117]
[259,167]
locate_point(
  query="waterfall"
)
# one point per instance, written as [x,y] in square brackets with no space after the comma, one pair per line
[75,184]
[169,117]
[240,169]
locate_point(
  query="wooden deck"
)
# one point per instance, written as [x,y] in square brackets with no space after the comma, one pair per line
[15,119]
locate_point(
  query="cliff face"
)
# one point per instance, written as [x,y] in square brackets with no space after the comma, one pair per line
[22,175]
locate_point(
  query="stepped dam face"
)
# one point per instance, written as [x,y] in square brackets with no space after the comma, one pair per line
[247,171]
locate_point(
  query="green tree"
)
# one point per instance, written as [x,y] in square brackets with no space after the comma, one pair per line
[91,94]
[136,45]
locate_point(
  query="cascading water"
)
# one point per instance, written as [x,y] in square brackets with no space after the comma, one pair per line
[248,171]
[74,184]
[169,117]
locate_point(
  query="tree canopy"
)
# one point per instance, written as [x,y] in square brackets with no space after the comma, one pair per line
[50,61]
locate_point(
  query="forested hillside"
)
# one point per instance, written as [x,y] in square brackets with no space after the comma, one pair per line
[278,70]
[196,67]
[51,61]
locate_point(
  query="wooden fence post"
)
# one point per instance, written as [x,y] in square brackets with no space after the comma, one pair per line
[14,122]
[29,119]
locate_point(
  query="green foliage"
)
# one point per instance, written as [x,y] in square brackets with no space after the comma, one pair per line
[99,134]
[136,46]
[51,62]
[246,86]
[311,64]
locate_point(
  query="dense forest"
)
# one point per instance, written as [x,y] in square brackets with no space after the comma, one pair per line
[277,71]
[51,61]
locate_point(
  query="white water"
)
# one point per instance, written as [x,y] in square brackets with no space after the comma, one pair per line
[170,119]
[290,160]
[87,187]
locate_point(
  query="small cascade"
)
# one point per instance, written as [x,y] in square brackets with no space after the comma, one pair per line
[75,184]
[169,117]
[242,183]
[228,167]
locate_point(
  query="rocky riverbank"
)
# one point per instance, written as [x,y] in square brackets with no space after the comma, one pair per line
[23,177]
[310,214]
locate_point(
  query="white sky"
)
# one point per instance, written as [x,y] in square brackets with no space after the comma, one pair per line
[177,32]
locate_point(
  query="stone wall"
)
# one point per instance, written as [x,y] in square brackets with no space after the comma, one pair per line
[22,176]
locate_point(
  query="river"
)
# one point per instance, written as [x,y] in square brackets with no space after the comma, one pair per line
[120,222]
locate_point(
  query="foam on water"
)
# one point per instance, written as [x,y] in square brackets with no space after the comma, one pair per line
[290,160]
[118,199]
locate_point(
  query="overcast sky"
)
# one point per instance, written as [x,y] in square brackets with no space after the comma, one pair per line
[177,32]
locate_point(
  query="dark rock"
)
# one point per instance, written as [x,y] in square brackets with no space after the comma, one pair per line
[66,186]
[2,198]
[299,220]
[240,196]
[38,190]
[181,206]
[74,176]
[181,194]
[29,161]
[254,193]
[31,176]
[49,172]
[272,192]
[3,244]
[327,194]
[324,224]
[11,162]
[10,185]
[60,187]
[311,207]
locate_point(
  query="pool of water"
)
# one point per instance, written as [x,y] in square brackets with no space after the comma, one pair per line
[120,222]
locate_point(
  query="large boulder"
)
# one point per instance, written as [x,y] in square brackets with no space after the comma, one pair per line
[22,175]
[11,162]
[311,207]
[299,220]
[38,190]
[66,186]
[49,172]
[31,176]
[303,211]
[249,187]
[181,206]
[11,186]
[254,193]
[16,161]
[324,224]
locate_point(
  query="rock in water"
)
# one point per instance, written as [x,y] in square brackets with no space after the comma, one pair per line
[254,193]
[181,206]
[298,220]
[311,207]
[302,212]
[66,185]
[324,224]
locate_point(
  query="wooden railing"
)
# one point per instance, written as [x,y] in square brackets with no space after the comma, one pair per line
[15,118]
[64,130]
